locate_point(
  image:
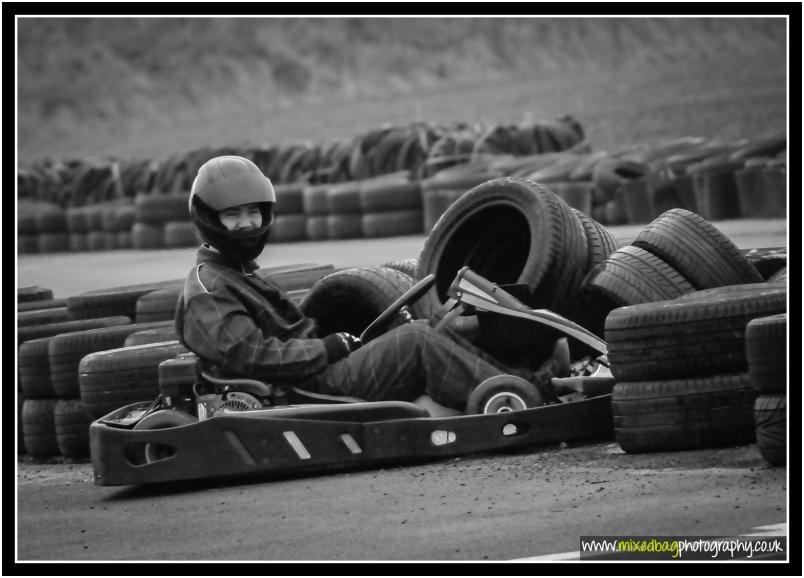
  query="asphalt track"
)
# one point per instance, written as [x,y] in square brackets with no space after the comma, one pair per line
[530,506]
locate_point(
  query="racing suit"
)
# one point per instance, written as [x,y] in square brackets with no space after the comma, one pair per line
[246,326]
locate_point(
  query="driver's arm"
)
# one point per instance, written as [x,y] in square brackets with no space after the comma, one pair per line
[218,328]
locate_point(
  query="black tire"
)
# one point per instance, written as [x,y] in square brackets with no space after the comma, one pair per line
[71,422]
[289,199]
[79,242]
[577,195]
[611,174]
[435,203]
[631,276]
[600,243]
[43,316]
[113,378]
[159,209]
[766,350]
[27,244]
[544,246]
[770,419]
[503,393]
[315,200]
[385,196]
[77,220]
[343,226]
[698,250]
[407,266]
[289,228]
[34,369]
[683,414]
[50,329]
[124,240]
[54,242]
[39,305]
[166,332]
[38,427]
[158,305]
[392,223]
[317,228]
[65,352]
[33,293]
[52,220]
[96,241]
[147,236]
[350,299]
[114,300]
[690,336]
[181,234]
[344,198]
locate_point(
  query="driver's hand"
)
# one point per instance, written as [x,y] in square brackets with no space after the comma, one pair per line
[351,342]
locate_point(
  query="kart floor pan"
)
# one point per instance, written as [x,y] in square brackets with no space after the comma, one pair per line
[263,442]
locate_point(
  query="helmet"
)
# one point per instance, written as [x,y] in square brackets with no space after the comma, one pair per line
[228,181]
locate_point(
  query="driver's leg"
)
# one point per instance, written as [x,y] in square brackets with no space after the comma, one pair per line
[410,361]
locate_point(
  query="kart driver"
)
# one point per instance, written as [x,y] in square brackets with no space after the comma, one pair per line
[246,326]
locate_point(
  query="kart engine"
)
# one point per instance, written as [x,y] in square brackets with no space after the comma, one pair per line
[211,403]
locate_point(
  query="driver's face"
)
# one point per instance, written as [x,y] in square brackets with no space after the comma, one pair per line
[246,216]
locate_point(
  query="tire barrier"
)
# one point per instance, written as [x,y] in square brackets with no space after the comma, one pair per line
[115,300]
[33,293]
[770,419]
[683,414]
[39,428]
[113,378]
[41,304]
[697,249]
[66,350]
[631,275]
[698,334]
[766,352]
[71,423]
[50,329]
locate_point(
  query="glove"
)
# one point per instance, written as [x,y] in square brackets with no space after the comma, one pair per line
[339,345]
[352,343]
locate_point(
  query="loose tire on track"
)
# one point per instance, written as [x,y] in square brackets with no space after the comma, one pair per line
[544,246]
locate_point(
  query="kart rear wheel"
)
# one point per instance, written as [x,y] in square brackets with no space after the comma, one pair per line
[162,419]
[502,394]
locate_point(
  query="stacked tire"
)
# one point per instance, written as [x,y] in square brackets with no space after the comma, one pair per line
[344,212]
[162,220]
[446,187]
[766,351]
[680,364]
[316,208]
[391,206]
[290,220]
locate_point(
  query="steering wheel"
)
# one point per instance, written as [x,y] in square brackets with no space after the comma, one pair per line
[380,324]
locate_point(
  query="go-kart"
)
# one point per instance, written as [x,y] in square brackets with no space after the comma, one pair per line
[202,425]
